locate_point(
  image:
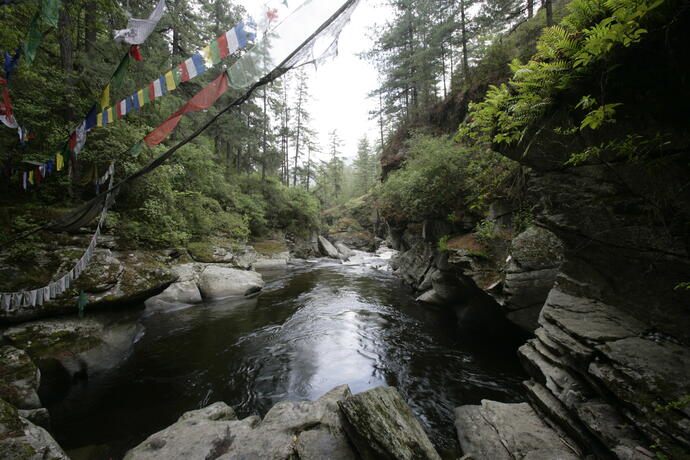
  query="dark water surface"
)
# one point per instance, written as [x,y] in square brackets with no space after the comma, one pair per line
[315,326]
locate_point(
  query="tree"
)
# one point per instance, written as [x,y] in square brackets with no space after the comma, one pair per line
[365,167]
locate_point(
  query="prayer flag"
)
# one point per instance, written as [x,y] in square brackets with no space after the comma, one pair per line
[49,12]
[222,43]
[183,72]
[231,38]
[138,30]
[135,52]
[198,64]
[140,96]
[91,121]
[59,161]
[169,81]
[33,39]
[105,97]
[157,90]
[202,100]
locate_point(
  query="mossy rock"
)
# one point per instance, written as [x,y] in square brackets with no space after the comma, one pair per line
[269,247]
[42,340]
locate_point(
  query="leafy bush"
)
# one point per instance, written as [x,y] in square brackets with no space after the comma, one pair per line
[440,176]
[566,54]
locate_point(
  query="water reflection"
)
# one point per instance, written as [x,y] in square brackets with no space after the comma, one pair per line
[315,326]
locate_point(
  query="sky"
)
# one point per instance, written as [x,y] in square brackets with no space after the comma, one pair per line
[340,86]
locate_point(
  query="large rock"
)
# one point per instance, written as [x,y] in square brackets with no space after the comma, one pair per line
[78,345]
[21,439]
[184,291]
[382,426]
[305,430]
[217,282]
[345,252]
[19,378]
[327,249]
[500,431]
[110,280]
[272,261]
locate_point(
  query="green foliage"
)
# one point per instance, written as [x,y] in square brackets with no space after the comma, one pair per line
[443,243]
[440,176]
[485,231]
[578,48]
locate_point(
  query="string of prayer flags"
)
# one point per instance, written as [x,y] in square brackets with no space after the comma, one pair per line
[202,100]
[240,36]
[138,30]
[12,301]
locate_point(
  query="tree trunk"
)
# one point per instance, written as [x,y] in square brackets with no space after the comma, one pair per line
[463,31]
[548,4]
[530,8]
[264,142]
[90,26]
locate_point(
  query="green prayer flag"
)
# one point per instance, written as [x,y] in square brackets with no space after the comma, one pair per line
[83,302]
[119,75]
[33,40]
[136,149]
[50,10]
[215,52]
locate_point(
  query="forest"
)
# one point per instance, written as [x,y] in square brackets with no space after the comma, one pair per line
[191,266]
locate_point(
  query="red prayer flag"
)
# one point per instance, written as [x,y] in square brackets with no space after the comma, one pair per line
[152,92]
[202,100]
[184,73]
[223,50]
[135,52]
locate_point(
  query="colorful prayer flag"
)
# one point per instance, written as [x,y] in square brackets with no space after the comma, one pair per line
[202,100]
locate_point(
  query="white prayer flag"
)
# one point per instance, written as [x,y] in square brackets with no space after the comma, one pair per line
[138,30]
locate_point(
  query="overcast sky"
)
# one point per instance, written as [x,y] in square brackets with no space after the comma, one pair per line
[339,87]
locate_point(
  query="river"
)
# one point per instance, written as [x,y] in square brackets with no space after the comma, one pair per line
[316,325]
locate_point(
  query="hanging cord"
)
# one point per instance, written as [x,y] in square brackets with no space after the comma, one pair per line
[274,74]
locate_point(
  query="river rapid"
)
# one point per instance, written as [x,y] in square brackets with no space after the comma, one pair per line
[316,324]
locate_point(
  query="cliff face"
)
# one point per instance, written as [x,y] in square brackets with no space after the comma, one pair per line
[610,362]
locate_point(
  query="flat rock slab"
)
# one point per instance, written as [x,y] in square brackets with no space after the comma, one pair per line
[305,430]
[217,282]
[19,378]
[499,431]
[382,426]
[327,248]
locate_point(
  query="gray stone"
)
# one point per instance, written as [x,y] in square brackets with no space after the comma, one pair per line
[413,264]
[39,416]
[185,292]
[19,378]
[327,249]
[425,285]
[536,249]
[431,297]
[526,318]
[500,431]
[305,430]
[80,345]
[275,261]
[382,426]
[21,439]
[344,251]
[217,282]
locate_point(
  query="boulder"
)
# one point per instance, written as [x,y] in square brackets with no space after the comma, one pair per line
[382,426]
[345,252]
[19,378]
[79,346]
[217,282]
[21,439]
[327,249]
[430,297]
[499,431]
[305,430]
[110,280]
[272,261]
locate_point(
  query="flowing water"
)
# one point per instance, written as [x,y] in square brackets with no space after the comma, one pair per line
[315,325]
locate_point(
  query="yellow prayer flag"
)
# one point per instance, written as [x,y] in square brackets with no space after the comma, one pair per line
[99,119]
[110,114]
[59,162]
[105,97]
[169,81]
[140,96]
[31,177]
[208,56]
